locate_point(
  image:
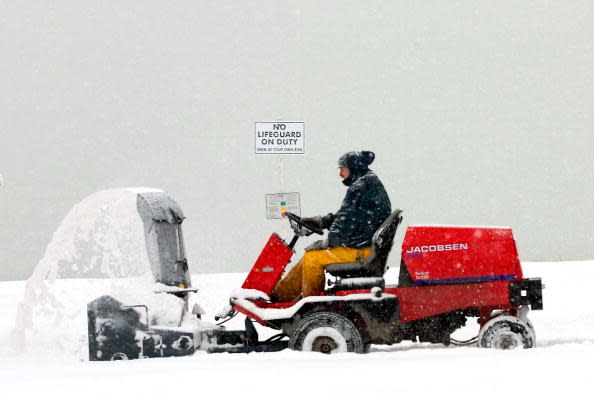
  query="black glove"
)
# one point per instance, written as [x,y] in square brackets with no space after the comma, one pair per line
[318,245]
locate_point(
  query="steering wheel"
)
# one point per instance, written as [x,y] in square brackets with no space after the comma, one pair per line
[295,218]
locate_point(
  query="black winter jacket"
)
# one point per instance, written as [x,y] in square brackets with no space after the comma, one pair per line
[364,208]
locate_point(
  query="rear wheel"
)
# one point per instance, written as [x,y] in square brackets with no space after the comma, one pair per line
[506,332]
[326,332]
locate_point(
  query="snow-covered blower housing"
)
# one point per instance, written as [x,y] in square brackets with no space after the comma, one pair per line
[123,331]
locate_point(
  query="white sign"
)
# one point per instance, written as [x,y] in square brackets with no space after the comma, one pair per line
[277,205]
[279,137]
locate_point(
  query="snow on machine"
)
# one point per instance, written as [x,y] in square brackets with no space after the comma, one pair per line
[447,274]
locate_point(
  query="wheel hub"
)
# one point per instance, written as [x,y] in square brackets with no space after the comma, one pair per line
[506,341]
[119,356]
[324,344]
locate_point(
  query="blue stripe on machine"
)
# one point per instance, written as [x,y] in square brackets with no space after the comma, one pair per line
[465,279]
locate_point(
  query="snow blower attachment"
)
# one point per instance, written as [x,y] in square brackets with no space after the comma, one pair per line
[447,274]
[123,331]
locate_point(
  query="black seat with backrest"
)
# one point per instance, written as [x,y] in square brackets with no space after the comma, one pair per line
[375,264]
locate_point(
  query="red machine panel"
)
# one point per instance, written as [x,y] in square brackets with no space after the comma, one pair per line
[269,266]
[447,255]
[424,301]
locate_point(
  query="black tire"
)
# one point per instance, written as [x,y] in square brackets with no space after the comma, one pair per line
[506,334]
[326,332]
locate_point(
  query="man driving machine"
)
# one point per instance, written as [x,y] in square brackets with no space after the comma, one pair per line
[350,230]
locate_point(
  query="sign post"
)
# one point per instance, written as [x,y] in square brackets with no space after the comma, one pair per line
[280,138]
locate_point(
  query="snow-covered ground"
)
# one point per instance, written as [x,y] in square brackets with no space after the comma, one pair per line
[54,358]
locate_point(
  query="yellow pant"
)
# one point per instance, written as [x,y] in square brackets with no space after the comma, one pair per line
[307,277]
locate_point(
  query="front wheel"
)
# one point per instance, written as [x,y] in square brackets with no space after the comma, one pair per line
[326,332]
[506,332]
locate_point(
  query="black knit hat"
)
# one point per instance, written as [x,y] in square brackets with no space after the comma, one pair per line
[356,160]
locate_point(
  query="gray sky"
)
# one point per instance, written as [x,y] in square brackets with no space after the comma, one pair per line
[478,112]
